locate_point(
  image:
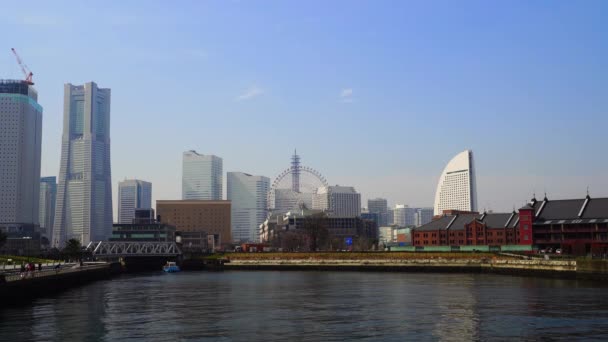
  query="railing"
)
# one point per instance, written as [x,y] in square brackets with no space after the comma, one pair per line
[17,265]
[66,268]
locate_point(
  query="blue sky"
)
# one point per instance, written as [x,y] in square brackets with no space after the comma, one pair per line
[374,94]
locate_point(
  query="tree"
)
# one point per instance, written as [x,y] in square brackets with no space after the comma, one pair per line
[291,241]
[72,249]
[315,226]
[44,241]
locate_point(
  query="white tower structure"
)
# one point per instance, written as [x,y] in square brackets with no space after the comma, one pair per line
[457,187]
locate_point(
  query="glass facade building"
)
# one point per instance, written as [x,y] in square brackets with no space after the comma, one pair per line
[84,192]
[201,177]
[48,195]
[133,194]
[247,195]
[20,144]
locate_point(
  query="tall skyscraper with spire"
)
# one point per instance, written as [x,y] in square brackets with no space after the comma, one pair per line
[83,209]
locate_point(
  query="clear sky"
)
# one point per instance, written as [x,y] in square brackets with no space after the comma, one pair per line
[375,94]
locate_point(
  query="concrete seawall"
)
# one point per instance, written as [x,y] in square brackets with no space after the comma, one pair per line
[521,267]
[16,290]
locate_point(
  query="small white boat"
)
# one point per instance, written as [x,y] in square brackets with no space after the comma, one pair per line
[171,267]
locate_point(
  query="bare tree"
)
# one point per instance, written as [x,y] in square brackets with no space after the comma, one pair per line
[315,227]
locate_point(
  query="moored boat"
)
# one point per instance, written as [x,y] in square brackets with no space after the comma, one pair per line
[171,267]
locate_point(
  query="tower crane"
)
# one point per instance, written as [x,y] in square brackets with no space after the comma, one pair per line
[26,71]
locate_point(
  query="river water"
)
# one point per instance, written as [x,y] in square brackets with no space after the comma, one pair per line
[315,306]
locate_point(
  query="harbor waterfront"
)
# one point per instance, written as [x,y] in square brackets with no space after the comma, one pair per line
[314,306]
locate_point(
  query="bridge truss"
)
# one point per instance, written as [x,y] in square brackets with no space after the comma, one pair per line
[129,249]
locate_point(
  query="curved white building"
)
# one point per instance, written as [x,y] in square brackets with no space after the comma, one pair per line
[457,187]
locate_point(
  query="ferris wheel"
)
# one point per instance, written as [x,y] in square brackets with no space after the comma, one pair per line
[294,187]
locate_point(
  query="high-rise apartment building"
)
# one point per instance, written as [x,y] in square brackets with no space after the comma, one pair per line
[248,197]
[84,192]
[457,187]
[201,177]
[404,216]
[48,195]
[423,216]
[379,207]
[338,201]
[20,142]
[133,194]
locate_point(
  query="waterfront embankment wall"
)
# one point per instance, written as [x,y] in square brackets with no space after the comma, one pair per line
[560,268]
[16,288]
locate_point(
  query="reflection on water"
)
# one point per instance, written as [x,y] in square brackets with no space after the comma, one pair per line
[314,306]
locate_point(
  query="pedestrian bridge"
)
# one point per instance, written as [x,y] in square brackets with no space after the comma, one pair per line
[104,249]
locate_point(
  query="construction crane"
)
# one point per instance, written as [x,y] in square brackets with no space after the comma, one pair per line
[26,71]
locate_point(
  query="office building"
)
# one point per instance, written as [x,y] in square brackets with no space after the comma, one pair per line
[144,228]
[84,192]
[457,187]
[46,207]
[404,216]
[20,142]
[423,216]
[338,201]
[201,177]
[133,194]
[343,232]
[248,197]
[379,206]
[197,216]
[390,217]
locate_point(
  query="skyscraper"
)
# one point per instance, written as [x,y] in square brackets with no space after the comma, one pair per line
[390,220]
[247,195]
[201,177]
[423,216]
[84,192]
[339,201]
[404,216]
[133,194]
[379,207]
[48,195]
[457,187]
[20,141]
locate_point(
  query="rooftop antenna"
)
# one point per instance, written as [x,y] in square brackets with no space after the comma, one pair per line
[587,190]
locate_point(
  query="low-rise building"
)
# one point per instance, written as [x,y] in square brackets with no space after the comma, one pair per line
[341,230]
[576,226]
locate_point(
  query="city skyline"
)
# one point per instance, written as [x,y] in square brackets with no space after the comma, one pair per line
[224,82]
